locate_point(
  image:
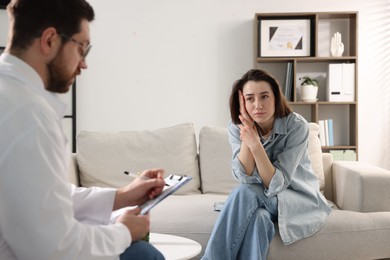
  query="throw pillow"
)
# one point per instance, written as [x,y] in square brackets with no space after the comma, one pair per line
[102,157]
[215,156]
[315,154]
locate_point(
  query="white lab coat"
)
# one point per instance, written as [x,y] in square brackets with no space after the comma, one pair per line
[42,216]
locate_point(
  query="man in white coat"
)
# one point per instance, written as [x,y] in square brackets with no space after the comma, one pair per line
[42,216]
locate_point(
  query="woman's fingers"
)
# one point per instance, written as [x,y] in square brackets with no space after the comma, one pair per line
[242,103]
[243,111]
[244,121]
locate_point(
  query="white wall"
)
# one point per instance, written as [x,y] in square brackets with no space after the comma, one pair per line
[157,63]
[3,27]
[374,83]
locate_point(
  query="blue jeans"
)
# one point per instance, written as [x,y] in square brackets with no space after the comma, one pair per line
[141,250]
[245,226]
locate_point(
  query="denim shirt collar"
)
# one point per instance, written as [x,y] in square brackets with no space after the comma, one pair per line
[279,128]
[280,125]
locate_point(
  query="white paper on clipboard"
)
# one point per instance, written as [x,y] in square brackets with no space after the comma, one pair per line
[173,183]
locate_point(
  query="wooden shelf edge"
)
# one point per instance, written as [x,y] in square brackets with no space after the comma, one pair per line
[321,103]
[305,59]
[339,147]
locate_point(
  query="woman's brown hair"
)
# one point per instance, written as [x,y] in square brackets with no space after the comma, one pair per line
[282,108]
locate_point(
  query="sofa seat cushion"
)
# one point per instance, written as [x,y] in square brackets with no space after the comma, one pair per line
[190,216]
[103,157]
[346,235]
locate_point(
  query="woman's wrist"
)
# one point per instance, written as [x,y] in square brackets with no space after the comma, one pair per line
[255,147]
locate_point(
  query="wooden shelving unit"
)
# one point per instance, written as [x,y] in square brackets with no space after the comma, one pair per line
[322,25]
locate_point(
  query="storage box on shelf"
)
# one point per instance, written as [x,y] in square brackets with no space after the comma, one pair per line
[289,66]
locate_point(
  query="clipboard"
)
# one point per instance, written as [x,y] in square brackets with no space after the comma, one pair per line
[172,183]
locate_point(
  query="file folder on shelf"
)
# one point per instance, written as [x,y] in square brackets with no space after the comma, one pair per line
[341,82]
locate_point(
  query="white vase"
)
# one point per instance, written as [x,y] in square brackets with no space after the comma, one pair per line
[309,93]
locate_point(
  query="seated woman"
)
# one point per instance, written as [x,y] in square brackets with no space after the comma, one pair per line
[270,159]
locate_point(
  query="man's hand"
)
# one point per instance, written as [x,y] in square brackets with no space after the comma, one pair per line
[147,186]
[138,225]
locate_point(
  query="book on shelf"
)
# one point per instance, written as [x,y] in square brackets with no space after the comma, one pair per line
[288,83]
[326,132]
[321,124]
[330,132]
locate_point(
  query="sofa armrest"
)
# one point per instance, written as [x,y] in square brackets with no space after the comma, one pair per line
[73,175]
[361,187]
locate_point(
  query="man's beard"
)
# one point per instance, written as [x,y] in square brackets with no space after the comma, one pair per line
[59,80]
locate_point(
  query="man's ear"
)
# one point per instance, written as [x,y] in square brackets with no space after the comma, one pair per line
[50,41]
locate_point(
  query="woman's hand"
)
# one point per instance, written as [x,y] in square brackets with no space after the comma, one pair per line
[248,134]
[243,111]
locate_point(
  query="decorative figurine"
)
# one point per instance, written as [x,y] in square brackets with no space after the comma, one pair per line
[336,46]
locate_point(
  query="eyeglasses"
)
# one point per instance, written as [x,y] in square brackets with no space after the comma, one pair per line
[86,49]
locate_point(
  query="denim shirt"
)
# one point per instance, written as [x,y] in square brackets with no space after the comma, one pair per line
[302,209]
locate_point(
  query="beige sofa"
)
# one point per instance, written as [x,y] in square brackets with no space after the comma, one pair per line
[358,229]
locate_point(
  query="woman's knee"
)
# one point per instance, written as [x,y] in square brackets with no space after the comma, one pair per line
[243,190]
[248,190]
[266,219]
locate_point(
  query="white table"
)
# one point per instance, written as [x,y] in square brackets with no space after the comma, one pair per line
[175,247]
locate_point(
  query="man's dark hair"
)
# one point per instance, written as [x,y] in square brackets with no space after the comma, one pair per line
[282,108]
[31,17]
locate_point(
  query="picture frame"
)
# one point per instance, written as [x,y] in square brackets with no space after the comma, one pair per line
[285,37]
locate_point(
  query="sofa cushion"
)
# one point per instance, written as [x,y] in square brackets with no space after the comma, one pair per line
[103,157]
[345,235]
[215,155]
[315,154]
[215,159]
[190,216]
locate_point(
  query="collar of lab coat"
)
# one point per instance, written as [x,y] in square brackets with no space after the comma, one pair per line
[21,71]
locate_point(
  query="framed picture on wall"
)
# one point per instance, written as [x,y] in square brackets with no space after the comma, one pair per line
[285,37]
[4,3]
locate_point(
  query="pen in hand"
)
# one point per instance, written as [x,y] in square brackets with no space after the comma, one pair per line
[138,175]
